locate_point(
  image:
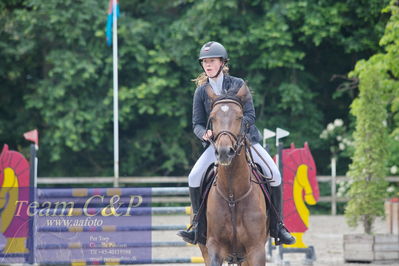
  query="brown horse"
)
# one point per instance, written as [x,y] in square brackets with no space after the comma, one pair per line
[236,208]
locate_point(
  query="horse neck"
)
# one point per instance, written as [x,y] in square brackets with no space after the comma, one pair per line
[234,177]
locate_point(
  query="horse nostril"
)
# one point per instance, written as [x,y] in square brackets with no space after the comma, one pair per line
[231,152]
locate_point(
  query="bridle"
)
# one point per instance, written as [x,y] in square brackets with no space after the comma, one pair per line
[237,140]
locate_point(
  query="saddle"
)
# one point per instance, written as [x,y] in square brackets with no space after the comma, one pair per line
[205,187]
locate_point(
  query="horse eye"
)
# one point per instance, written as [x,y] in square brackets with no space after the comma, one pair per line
[239,118]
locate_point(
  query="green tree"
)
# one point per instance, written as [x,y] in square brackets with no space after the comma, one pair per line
[378,85]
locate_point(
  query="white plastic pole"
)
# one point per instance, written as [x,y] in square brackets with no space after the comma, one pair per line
[280,133]
[333,185]
[115,76]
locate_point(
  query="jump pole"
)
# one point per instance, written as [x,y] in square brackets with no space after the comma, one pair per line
[33,136]
[280,133]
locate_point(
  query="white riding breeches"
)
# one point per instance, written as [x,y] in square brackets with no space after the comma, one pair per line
[208,157]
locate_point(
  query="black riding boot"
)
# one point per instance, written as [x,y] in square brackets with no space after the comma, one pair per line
[277,228]
[191,236]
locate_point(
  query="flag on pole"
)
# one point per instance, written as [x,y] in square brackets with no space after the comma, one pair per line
[33,136]
[110,20]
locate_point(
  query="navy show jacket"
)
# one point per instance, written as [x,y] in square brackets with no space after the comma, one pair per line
[202,108]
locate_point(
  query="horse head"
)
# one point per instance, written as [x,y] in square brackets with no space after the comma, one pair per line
[227,124]
[300,188]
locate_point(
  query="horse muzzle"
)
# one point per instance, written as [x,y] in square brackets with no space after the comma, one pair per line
[225,155]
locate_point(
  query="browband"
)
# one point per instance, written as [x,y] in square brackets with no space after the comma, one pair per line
[227,99]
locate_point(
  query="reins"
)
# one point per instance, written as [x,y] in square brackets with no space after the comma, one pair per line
[251,162]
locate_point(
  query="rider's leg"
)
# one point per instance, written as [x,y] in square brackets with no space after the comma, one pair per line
[277,228]
[194,182]
[192,235]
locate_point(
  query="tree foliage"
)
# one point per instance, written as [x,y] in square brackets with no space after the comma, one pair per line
[378,97]
[56,74]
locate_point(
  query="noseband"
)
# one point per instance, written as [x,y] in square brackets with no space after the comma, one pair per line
[237,141]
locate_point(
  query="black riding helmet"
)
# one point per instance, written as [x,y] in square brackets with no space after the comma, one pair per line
[213,49]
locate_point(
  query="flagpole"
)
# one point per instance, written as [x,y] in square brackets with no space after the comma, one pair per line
[115,75]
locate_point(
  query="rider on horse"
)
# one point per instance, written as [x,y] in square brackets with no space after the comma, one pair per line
[213,59]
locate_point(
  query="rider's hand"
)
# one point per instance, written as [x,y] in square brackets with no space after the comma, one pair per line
[208,134]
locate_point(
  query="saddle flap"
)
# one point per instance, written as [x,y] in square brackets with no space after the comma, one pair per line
[208,179]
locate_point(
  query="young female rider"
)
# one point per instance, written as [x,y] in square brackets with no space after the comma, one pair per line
[213,58]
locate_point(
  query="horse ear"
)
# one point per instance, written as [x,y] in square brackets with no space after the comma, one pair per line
[211,93]
[243,93]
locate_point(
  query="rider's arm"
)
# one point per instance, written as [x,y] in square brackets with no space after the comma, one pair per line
[249,111]
[199,114]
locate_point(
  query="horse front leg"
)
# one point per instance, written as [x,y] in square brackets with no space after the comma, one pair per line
[215,260]
[204,252]
[215,256]
[257,257]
